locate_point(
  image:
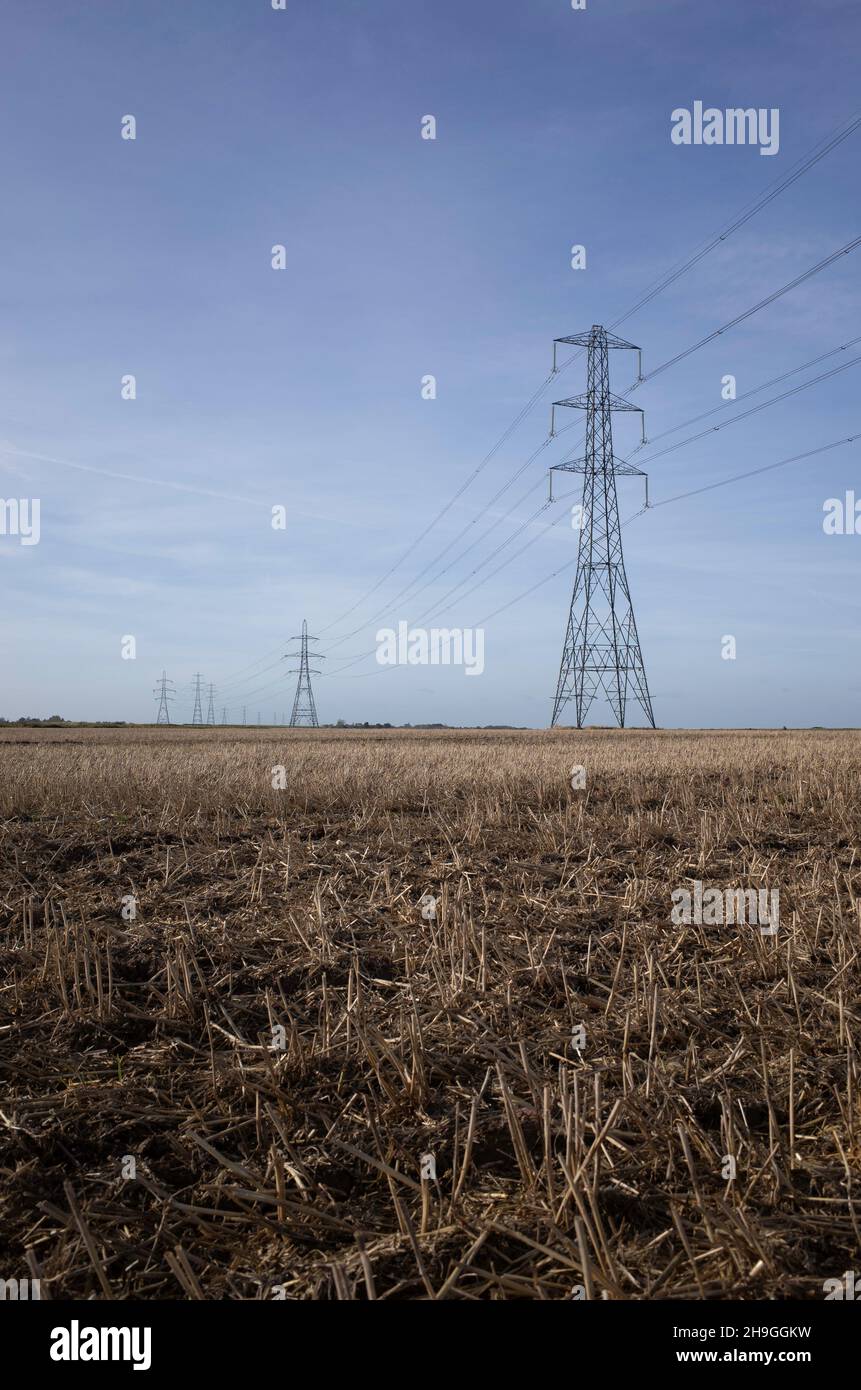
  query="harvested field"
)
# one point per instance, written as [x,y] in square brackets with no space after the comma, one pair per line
[230,1096]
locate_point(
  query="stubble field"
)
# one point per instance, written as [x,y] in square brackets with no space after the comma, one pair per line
[233,1032]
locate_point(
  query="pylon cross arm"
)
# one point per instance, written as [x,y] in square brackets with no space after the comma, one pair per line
[586,339]
[608,399]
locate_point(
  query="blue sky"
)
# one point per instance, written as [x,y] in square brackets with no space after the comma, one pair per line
[408,257]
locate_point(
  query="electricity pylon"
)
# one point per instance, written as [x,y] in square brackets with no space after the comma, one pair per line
[602,648]
[197,716]
[304,709]
[210,713]
[224,715]
[164,691]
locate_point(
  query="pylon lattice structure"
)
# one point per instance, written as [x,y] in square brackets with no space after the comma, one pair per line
[210,713]
[164,691]
[304,709]
[197,715]
[602,647]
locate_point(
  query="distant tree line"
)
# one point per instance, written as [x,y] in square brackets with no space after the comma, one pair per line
[31,721]
[344,724]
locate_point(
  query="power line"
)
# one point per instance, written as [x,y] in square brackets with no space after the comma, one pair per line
[754,410]
[754,391]
[748,313]
[752,472]
[679,357]
[539,583]
[795,172]
[247,694]
[690,439]
[663,502]
[238,684]
[531,403]
[436,608]
[387,607]
[772,191]
[435,605]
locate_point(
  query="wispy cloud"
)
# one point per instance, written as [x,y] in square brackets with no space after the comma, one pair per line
[158,484]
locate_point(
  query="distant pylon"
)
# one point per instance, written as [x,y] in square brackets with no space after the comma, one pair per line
[244,720]
[164,691]
[210,713]
[304,709]
[197,716]
[224,716]
[602,648]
